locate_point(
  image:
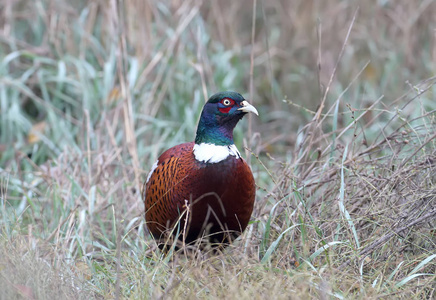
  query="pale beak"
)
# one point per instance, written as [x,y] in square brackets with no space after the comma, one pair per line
[247,107]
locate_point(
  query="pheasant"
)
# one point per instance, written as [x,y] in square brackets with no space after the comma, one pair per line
[203,189]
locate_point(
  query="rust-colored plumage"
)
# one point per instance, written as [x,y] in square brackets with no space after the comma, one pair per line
[197,194]
[216,199]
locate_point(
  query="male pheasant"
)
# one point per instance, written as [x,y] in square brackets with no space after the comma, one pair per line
[203,189]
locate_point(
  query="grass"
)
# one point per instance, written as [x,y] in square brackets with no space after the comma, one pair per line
[343,152]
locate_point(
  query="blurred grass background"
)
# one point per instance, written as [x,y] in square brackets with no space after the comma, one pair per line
[91,92]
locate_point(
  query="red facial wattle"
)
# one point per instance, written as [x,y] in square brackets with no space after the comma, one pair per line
[225,110]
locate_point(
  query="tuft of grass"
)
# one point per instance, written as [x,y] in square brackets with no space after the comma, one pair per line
[343,152]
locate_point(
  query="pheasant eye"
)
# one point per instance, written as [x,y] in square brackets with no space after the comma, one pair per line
[226,102]
[226,105]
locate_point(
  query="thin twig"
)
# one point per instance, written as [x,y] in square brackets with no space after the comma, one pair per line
[428,216]
[253,34]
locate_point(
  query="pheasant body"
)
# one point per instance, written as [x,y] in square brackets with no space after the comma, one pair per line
[203,189]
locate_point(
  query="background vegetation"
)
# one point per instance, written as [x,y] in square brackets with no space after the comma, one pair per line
[343,152]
